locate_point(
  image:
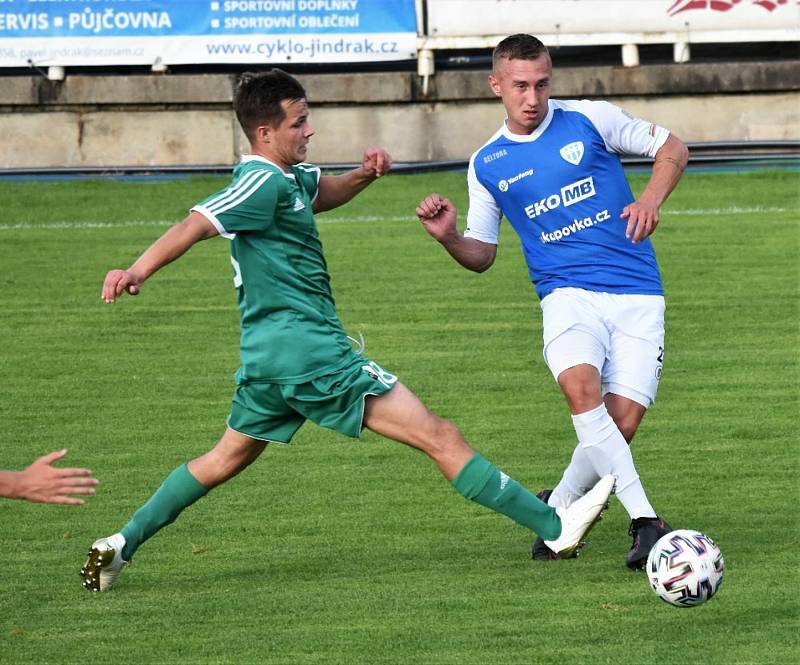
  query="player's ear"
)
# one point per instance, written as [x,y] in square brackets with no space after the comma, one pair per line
[494,84]
[263,133]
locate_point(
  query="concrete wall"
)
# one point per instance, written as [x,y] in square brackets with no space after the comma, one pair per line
[183,120]
[451,131]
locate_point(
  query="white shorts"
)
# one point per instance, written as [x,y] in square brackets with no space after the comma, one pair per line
[621,335]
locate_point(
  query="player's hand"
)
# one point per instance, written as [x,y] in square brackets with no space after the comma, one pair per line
[44,483]
[438,216]
[376,162]
[642,220]
[118,282]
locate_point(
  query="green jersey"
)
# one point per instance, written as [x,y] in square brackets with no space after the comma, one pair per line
[290,332]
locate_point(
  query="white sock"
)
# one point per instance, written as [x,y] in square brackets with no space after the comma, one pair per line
[579,477]
[608,452]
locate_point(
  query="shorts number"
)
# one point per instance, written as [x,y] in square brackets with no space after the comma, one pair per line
[379,374]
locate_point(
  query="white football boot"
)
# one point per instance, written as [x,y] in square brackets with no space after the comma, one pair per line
[104,564]
[579,517]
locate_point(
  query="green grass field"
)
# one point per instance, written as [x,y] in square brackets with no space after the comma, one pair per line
[340,551]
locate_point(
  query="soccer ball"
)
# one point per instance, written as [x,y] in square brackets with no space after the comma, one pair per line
[685,568]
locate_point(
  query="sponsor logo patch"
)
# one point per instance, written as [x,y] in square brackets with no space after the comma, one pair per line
[504,184]
[577,226]
[569,195]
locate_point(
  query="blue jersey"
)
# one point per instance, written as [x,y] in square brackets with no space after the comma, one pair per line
[563,190]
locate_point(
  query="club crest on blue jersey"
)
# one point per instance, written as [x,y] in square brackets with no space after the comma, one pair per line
[573,152]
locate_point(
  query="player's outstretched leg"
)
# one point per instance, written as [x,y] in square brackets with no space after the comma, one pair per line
[482,482]
[181,488]
[400,415]
[108,556]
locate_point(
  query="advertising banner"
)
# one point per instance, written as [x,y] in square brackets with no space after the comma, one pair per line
[590,22]
[172,32]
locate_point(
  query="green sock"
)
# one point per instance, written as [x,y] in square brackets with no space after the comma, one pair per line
[480,481]
[179,490]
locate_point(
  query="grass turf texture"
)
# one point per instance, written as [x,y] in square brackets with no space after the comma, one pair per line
[340,551]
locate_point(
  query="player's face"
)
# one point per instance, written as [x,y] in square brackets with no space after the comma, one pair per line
[524,87]
[287,144]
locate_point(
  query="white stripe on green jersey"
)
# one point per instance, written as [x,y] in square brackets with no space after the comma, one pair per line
[238,192]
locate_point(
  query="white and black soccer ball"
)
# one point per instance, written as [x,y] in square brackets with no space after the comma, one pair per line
[685,568]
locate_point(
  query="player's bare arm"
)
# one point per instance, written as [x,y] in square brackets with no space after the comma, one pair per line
[42,482]
[170,246]
[338,190]
[438,215]
[643,214]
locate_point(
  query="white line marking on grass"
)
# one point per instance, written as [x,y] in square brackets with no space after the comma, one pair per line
[364,219]
[733,210]
[163,223]
[80,225]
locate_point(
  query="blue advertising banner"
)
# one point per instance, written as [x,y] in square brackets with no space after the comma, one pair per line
[147,32]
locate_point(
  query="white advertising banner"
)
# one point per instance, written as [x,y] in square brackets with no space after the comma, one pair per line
[586,22]
[147,32]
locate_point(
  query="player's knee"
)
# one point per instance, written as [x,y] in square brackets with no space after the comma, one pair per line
[449,434]
[581,388]
[582,398]
[440,437]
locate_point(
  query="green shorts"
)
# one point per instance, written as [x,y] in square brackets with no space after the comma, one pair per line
[275,411]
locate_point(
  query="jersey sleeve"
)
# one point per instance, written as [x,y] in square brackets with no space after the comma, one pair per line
[247,204]
[622,132]
[309,176]
[483,215]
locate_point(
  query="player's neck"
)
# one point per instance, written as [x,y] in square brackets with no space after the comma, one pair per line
[270,157]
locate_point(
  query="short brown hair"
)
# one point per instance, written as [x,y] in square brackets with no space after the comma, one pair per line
[519,47]
[258,96]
